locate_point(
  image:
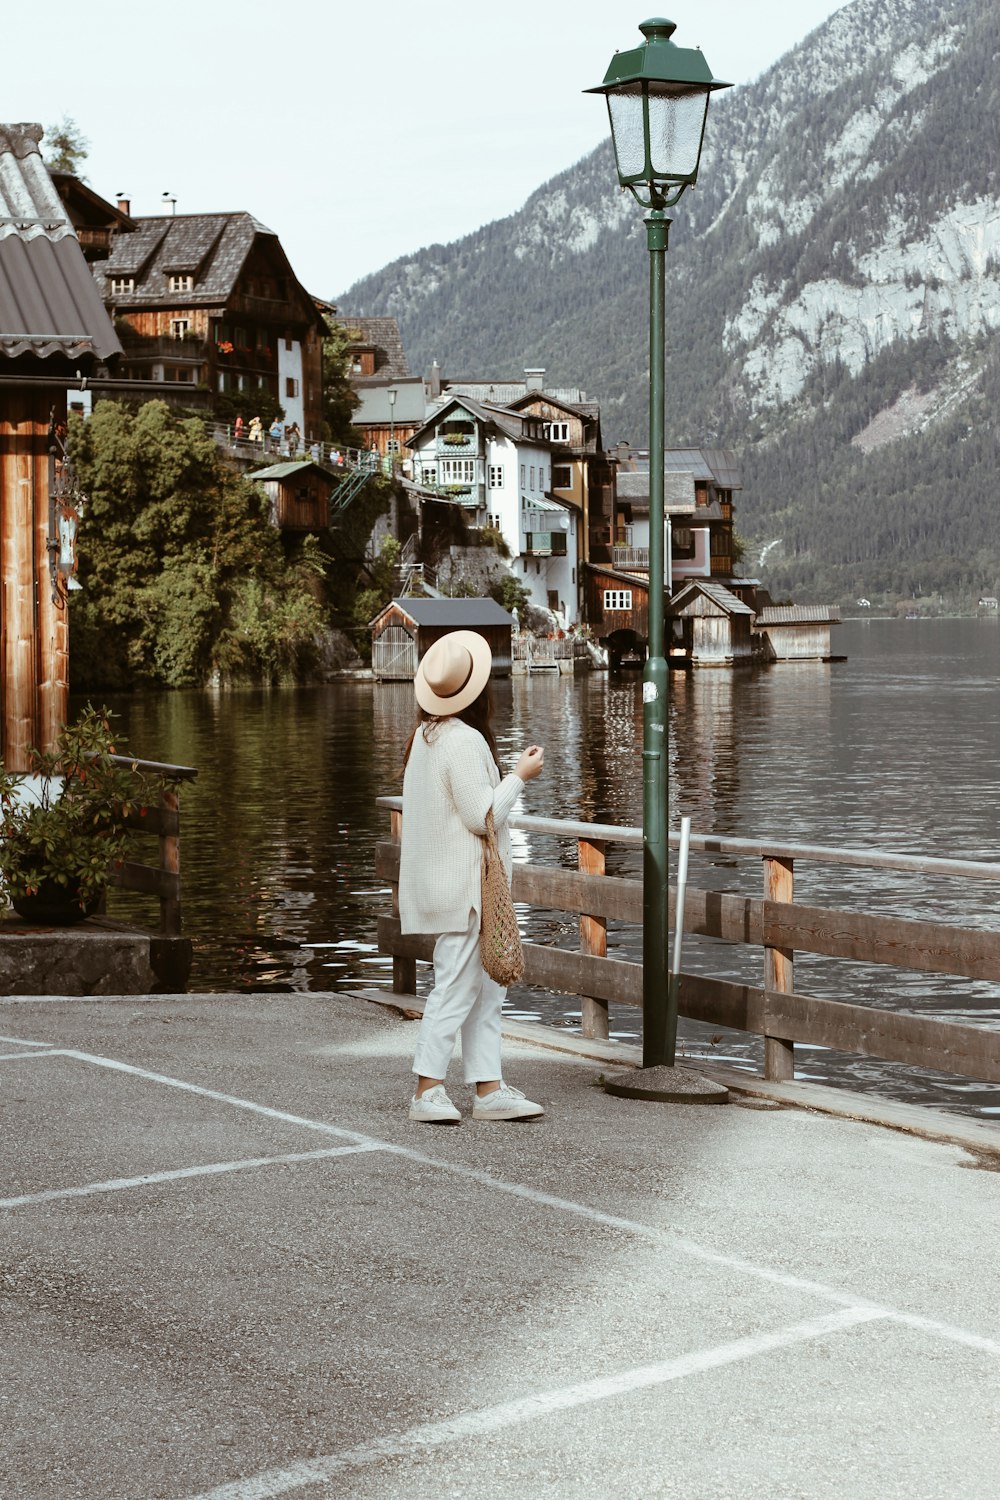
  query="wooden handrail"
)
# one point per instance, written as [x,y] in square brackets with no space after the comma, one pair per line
[777,924]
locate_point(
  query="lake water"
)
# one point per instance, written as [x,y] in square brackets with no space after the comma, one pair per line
[893,749]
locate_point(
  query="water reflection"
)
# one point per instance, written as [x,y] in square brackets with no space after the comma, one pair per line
[892,749]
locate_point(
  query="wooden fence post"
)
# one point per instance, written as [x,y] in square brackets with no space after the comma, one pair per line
[170,860]
[593,940]
[779,967]
[404,970]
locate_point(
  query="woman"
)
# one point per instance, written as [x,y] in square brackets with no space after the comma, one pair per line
[452,778]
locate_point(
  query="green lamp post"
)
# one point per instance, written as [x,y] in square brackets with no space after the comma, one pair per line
[658,97]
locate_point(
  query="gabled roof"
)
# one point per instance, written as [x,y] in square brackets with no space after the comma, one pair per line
[460,614]
[49,305]
[212,248]
[510,423]
[727,602]
[383,336]
[289,469]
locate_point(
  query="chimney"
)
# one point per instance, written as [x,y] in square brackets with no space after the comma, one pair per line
[434,381]
[534,380]
[125,205]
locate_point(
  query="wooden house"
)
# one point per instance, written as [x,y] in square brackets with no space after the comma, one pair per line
[53,331]
[299,494]
[402,632]
[617,610]
[210,300]
[711,627]
[795,632]
[583,475]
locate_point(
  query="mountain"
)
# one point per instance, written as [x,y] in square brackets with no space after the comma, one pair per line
[833,300]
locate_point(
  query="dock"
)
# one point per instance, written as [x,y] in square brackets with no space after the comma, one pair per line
[234,1269]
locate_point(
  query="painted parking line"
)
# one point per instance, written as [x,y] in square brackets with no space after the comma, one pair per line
[211,1169]
[21,1041]
[677,1244]
[23,1056]
[492,1419]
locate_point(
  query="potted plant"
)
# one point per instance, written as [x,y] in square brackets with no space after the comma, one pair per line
[63,824]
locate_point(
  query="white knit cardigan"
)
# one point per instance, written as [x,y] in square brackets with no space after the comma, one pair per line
[450,783]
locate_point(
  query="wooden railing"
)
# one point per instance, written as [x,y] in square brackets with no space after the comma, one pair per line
[162,880]
[775,923]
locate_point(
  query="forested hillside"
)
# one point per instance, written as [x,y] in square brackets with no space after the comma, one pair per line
[840,259]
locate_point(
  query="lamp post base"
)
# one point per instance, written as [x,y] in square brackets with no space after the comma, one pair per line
[664,1085]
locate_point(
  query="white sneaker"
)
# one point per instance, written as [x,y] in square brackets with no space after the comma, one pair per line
[434,1107]
[505,1103]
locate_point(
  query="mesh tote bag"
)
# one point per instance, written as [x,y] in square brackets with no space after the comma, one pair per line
[499,939]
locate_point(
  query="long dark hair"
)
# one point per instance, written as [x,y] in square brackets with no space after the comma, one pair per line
[478,715]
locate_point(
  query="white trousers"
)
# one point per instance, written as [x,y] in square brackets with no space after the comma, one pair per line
[466,999]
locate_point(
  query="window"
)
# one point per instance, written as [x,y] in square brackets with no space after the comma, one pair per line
[120,285]
[617,599]
[556,432]
[523,470]
[495,476]
[493,519]
[429,473]
[180,283]
[562,477]
[531,486]
[458,470]
[291,386]
[177,372]
[288,346]
[180,327]
[392,446]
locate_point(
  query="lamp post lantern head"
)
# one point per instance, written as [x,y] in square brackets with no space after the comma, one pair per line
[658,102]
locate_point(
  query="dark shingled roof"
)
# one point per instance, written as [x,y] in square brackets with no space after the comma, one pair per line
[212,248]
[382,335]
[49,305]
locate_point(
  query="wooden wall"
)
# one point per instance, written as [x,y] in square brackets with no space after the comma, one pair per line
[34,630]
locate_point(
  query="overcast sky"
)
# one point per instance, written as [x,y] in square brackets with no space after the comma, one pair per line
[357,132]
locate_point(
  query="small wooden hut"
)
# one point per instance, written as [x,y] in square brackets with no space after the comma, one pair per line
[402,632]
[795,632]
[714,625]
[299,494]
[53,331]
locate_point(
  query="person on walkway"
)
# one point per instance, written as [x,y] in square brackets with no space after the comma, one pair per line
[276,432]
[256,430]
[238,430]
[451,779]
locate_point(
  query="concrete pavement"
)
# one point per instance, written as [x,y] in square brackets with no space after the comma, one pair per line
[232,1268]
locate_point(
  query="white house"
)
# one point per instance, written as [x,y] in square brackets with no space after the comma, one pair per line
[497,465]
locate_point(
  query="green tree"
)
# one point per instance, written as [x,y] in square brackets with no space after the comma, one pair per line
[183,572]
[339,399]
[65,146]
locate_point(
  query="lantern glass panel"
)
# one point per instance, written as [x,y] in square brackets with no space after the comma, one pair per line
[627,132]
[676,125]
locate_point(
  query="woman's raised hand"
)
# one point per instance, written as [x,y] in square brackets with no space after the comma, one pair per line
[530,763]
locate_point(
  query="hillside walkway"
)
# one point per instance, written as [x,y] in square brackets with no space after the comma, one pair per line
[231,1268]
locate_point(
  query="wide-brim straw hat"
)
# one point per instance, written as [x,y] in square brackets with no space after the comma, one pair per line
[453,672]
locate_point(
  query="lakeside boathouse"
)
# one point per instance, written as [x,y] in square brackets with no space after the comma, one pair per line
[402,632]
